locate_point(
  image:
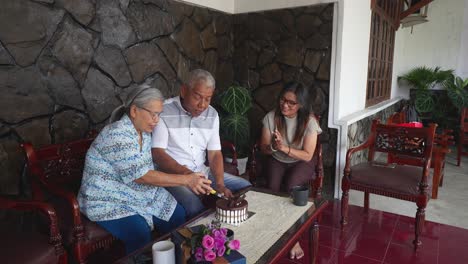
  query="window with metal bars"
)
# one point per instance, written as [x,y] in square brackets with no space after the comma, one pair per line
[385,21]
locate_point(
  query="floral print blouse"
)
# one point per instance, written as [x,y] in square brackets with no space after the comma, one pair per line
[113,162]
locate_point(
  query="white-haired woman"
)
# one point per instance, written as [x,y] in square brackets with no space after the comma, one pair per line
[120,190]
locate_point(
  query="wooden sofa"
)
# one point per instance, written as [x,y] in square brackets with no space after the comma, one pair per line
[55,173]
[21,243]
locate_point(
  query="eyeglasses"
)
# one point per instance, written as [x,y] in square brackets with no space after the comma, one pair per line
[153,115]
[288,102]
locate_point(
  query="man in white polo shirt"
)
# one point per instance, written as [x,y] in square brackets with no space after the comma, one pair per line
[188,129]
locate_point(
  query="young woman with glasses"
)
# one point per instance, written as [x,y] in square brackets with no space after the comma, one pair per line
[289,137]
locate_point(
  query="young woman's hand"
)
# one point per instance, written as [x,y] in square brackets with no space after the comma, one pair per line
[277,141]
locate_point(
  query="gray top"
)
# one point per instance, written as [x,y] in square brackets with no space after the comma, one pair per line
[291,124]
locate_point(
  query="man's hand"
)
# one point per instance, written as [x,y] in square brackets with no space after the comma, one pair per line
[198,183]
[223,190]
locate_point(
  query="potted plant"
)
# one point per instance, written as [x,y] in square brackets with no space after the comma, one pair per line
[423,79]
[234,102]
[457,91]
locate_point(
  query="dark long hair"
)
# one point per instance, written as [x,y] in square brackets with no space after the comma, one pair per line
[303,114]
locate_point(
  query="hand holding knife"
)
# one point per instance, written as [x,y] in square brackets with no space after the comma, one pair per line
[220,195]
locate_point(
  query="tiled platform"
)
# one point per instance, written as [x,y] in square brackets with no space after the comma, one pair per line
[385,238]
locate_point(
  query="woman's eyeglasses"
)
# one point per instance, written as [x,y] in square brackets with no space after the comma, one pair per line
[288,102]
[153,115]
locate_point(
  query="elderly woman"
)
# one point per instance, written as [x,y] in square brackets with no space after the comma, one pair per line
[120,190]
[289,135]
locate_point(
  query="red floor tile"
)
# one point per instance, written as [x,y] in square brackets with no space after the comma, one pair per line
[406,223]
[380,237]
[453,254]
[285,261]
[453,245]
[335,238]
[325,254]
[342,257]
[401,254]
[367,246]
[331,220]
[378,224]
[406,238]
[453,235]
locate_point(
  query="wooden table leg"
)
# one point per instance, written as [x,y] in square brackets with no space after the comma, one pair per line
[314,242]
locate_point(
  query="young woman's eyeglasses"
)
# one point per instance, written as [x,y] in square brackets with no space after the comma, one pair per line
[288,102]
[153,115]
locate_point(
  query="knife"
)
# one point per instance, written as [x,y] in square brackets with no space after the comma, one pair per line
[213,191]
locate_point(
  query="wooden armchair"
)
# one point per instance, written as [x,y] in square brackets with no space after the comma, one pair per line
[405,182]
[25,246]
[463,136]
[229,148]
[316,176]
[442,142]
[55,173]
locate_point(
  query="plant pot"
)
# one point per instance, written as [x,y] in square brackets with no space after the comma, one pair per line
[241,164]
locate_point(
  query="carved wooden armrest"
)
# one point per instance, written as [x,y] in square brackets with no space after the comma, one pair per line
[44,208]
[353,150]
[72,201]
[38,176]
[230,146]
[253,163]
[423,185]
[445,138]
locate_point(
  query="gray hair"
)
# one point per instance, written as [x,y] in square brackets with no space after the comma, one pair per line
[139,97]
[199,75]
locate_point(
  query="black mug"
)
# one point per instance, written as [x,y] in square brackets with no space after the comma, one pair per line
[230,234]
[300,195]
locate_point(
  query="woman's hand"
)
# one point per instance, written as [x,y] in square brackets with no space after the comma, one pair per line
[277,141]
[198,183]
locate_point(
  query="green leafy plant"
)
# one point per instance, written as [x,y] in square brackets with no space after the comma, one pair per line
[423,79]
[234,103]
[457,91]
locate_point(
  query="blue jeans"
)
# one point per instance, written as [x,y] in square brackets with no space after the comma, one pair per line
[192,203]
[134,230]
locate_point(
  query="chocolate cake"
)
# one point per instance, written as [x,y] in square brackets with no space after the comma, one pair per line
[232,211]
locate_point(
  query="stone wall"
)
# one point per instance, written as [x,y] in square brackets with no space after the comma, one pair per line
[274,47]
[358,132]
[65,64]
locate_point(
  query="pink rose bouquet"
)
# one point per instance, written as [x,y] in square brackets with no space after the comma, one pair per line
[211,242]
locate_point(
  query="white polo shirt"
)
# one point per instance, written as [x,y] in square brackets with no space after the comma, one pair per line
[187,138]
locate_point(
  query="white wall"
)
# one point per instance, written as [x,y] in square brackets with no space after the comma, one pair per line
[462,69]
[221,5]
[245,6]
[434,43]
[351,57]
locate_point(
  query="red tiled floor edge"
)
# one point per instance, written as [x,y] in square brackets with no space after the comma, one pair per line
[384,238]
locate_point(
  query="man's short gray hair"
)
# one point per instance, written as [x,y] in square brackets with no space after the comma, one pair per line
[200,75]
